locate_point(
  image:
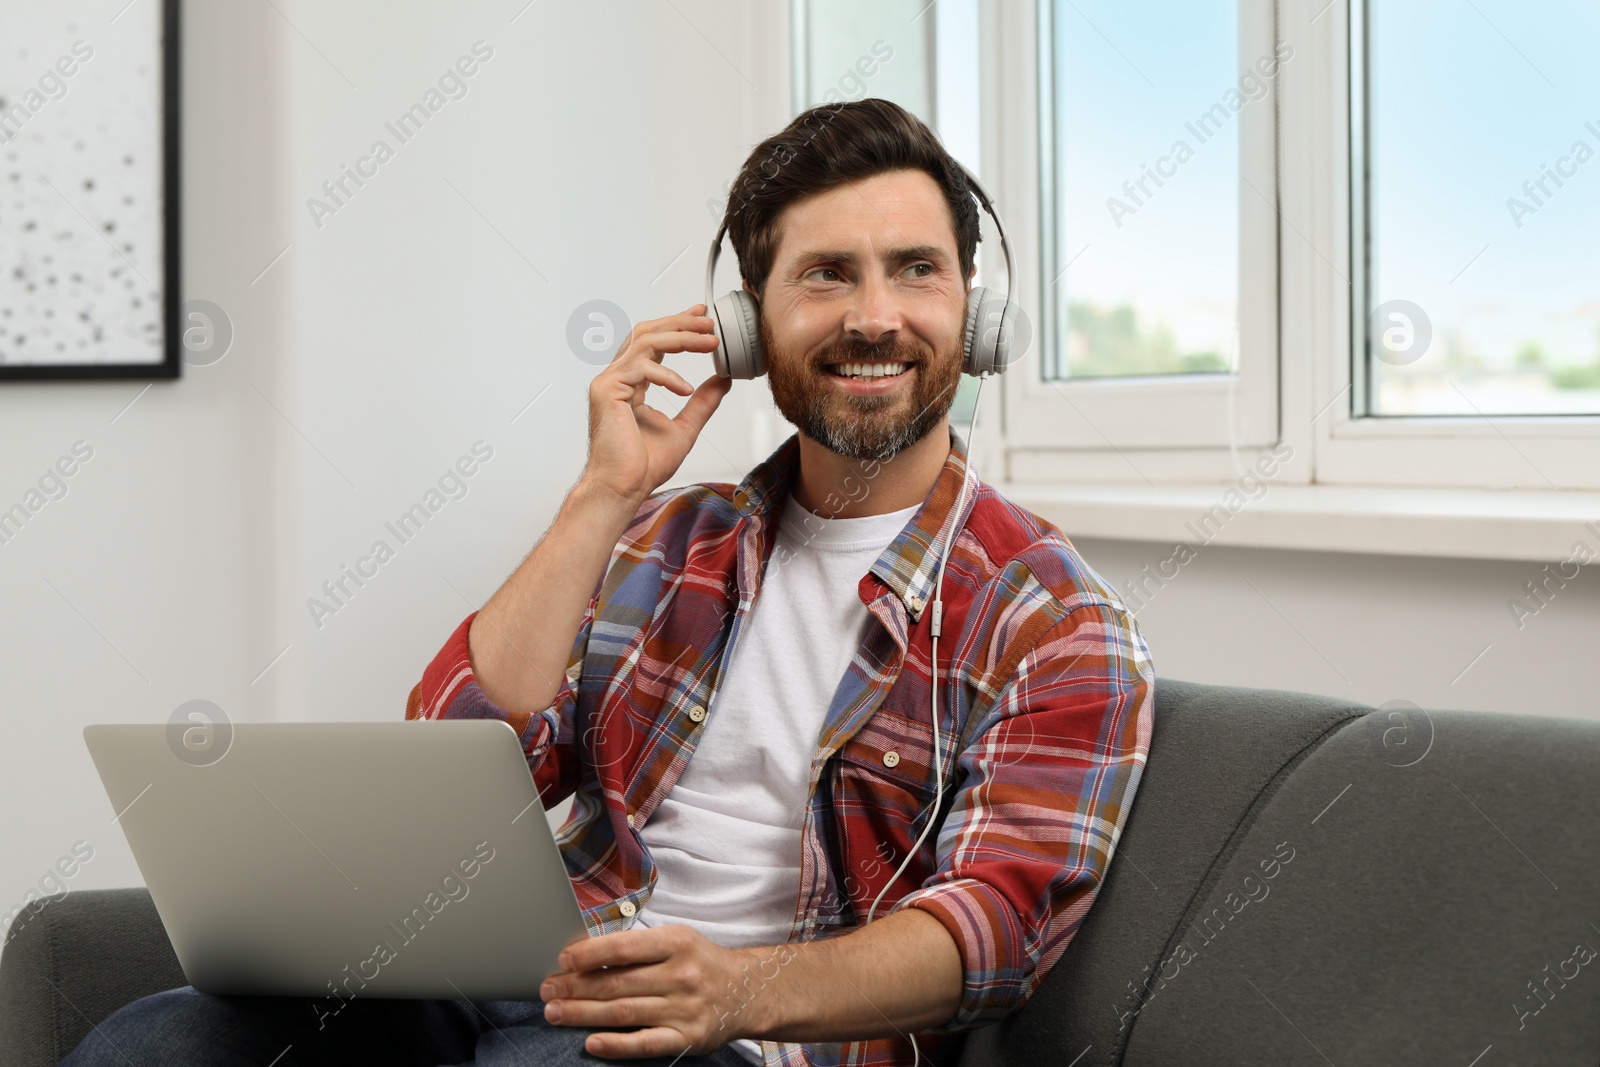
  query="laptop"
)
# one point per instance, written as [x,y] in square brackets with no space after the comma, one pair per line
[376,859]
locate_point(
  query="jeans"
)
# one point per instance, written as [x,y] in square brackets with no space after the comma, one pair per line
[185,1026]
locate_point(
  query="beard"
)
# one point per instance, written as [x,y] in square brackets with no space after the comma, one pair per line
[862,427]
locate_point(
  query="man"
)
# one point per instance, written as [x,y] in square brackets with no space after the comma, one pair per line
[744,711]
[733,683]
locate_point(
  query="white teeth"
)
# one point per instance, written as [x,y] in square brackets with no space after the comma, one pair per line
[869,371]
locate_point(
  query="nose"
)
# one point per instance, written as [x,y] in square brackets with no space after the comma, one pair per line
[874,312]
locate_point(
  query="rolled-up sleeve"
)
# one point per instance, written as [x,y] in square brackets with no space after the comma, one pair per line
[450,690]
[1047,779]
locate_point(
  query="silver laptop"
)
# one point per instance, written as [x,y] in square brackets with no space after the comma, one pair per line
[374,859]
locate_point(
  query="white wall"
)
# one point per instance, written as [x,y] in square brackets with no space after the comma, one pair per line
[410,324]
[591,141]
[390,338]
[1436,632]
[162,576]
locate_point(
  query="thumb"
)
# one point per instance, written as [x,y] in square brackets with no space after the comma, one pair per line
[707,395]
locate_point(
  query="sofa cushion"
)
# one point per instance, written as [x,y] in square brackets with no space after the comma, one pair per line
[1442,899]
[1217,753]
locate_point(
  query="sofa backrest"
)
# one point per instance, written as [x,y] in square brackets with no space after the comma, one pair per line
[1305,880]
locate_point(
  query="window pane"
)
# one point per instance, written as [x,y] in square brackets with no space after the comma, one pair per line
[1484,207]
[847,50]
[1140,150]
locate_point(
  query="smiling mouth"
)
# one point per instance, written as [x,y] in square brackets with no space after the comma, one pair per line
[868,372]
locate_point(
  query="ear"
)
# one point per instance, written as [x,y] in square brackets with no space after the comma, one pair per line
[751,291]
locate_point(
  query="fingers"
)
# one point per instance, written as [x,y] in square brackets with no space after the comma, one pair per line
[640,371]
[639,363]
[640,338]
[622,1011]
[623,444]
[694,311]
[604,985]
[697,411]
[653,346]
[647,945]
[658,1041]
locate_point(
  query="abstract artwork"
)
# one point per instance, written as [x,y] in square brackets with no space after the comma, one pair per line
[89,281]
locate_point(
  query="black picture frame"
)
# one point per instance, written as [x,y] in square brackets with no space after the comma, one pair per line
[171,229]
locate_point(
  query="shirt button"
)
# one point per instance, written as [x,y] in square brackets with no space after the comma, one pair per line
[628,908]
[697,713]
[630,818]
[890,758]
[915,602]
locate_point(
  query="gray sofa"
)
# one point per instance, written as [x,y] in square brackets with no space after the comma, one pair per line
[1302,880]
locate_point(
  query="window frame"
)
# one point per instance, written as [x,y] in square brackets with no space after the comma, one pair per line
[1138,432]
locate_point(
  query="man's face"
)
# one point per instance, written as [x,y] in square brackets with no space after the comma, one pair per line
[866,273]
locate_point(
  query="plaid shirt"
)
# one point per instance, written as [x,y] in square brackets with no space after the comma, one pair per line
[1045,710]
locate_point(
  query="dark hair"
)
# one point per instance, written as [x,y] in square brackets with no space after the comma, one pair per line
[827,146]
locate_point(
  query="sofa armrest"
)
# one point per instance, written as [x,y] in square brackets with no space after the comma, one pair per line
[72,959]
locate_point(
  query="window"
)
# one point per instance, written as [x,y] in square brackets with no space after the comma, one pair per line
[1482,198]
[1143,182]
[1394,324]
[1462,346]
[847,51]
[1153,127]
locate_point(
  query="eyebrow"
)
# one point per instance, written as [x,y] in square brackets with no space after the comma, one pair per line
[894,255]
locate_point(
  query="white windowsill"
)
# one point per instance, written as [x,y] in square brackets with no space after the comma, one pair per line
[1462,523]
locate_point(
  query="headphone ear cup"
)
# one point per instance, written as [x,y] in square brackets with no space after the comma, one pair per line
[990,322]
[739,354]
[972,359]
[750,317]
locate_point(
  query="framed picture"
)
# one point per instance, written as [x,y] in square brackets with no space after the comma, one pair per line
[89,190]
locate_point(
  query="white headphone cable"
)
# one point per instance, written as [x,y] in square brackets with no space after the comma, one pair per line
[934,626]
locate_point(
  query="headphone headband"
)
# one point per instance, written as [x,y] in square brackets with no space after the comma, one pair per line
[999,227]
[711,263]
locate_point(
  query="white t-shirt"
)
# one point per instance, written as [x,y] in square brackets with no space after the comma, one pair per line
[726,839]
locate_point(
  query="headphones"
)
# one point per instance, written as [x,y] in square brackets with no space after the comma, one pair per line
[986,347]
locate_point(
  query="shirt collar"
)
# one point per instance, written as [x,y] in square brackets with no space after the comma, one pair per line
[909,564]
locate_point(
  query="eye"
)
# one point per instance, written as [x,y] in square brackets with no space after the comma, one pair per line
[824,270]
[920,266]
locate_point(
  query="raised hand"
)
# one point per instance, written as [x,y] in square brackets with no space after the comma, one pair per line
[634,448]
